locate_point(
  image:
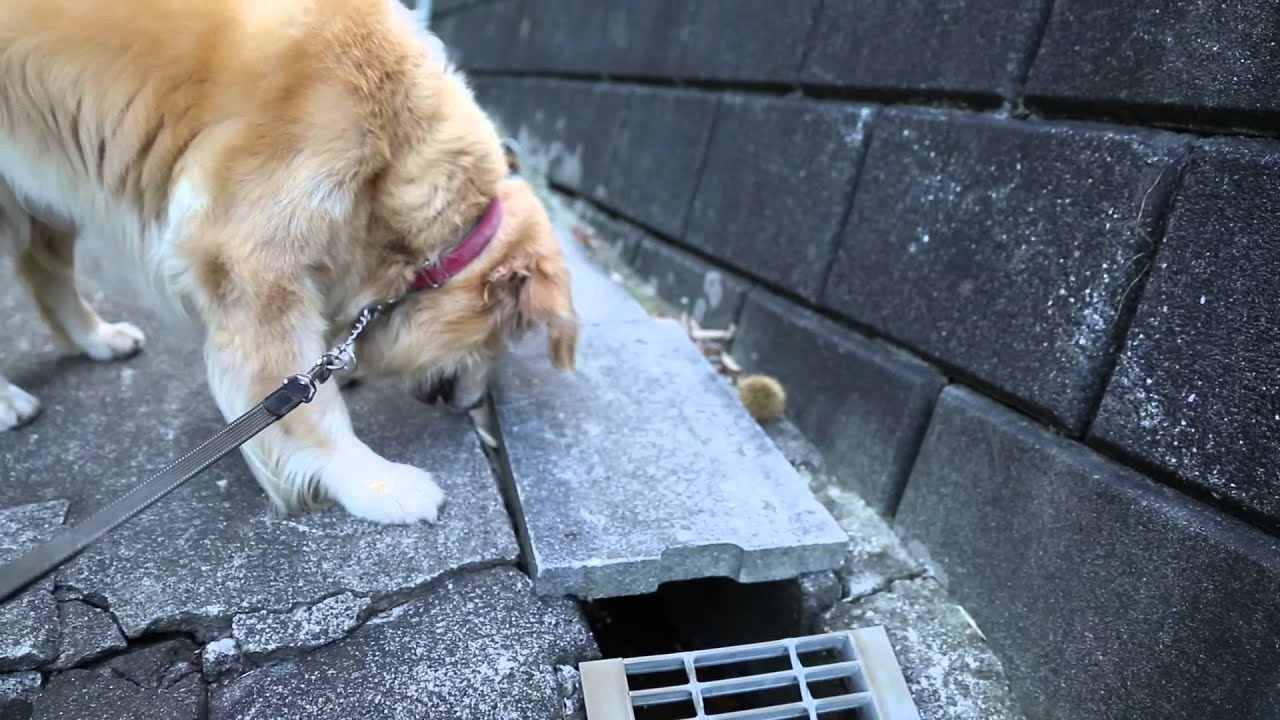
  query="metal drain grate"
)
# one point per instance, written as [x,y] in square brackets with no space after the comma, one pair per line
[839,676]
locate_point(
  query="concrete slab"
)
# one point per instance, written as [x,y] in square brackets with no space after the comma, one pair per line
[221,659]
[157,666]
[864,405]
[28,622]
[260,634]
[210,550]
[712,298]
[477,646]
[1187,395]
[1021,302]
[597,297]
[17,691]
[950,670]
[1097,585]
[86,632]
[89,695]
[642,467]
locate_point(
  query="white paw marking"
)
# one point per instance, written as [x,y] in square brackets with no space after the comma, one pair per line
[385,492]
[17,406]
[113,341]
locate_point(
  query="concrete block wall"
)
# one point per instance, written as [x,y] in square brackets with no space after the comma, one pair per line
[1016,263]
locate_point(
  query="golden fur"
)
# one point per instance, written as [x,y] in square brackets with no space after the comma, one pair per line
[271,168]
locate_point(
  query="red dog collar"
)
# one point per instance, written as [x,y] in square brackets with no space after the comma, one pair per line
[435,273]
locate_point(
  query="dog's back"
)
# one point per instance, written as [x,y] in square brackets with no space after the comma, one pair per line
[129,121]
[274,168]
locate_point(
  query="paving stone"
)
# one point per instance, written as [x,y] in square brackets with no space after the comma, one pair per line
[1196,391]
[157,666]
[643,467]
[953,46]
[1201,58]
[775,187]
[747,40]
[476,646]
[220,660]
[259,634]
[658,150]
[481,37]
[1006,250]
[17,691]
[1097,587]
[951,672]
[711,296]
[86,633]
[88,695]
[28,621]
[864,406]
[211,549]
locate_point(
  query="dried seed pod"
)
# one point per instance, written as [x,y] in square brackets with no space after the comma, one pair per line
[763,396]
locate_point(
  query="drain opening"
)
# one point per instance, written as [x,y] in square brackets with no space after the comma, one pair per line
[677,710]
[661,679]
[856,714]
[705,614]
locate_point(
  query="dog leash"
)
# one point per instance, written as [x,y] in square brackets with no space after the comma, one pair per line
[38,561]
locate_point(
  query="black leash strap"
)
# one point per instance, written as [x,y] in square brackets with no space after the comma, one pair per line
[296,390]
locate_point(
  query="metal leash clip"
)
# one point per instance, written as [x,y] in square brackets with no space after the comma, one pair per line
[302,388]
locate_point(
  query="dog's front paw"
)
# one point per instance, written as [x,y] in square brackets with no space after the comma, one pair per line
[113,341]
[17,406]
[387,492]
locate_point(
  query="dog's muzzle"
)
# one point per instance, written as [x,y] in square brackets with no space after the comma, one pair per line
[460,394]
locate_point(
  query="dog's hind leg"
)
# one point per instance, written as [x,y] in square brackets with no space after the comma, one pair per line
[47,267]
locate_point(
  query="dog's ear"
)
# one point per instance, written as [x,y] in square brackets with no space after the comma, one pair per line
[534,291]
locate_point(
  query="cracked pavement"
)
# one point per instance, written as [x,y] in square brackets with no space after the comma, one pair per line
[207,606]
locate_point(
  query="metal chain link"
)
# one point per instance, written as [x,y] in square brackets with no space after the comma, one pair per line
[343,355]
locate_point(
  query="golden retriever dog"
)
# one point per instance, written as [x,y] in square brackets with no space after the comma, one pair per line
[272,168]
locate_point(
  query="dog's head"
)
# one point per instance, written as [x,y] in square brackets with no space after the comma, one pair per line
[444,340]
[431,166]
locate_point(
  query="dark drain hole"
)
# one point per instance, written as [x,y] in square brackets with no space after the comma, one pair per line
[708,673]
[819,657]
[652,681]
[667,711]
[829,688]
[704,614]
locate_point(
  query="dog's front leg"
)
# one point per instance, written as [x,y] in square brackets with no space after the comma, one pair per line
[311,454]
